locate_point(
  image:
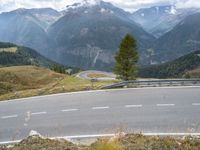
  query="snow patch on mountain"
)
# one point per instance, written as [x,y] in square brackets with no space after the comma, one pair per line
[173,10]
[83,3]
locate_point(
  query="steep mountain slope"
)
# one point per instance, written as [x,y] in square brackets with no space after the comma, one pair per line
[89,36]
[183,39]
[175,69]
[13,55]
[158,20]
[46,16]
[24,28]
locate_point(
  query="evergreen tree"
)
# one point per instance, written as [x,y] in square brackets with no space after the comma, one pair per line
[126,59]
[58,68]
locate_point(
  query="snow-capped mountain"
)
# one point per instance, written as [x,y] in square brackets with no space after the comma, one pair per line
[83,3]
[158,20]
[89,36]
[87,6]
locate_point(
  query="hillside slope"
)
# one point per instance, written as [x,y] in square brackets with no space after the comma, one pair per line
[18,78]
[26,81]
[175,69]
[183,39]
[12,55]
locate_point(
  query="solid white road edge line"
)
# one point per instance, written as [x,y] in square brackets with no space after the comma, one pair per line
[108,135]
[10,116]
[133,106]
[94,91]
[164,105]
[98,108]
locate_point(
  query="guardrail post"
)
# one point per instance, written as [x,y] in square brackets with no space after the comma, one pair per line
[159,83]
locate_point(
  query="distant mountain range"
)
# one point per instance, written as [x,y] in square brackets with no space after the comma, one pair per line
[158,20]
[87,35]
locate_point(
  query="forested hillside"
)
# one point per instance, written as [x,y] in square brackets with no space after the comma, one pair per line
[13,55]
[175,69]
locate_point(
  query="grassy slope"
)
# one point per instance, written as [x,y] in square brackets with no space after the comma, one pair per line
[25,81]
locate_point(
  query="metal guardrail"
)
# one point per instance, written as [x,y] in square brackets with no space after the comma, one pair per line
[155,83]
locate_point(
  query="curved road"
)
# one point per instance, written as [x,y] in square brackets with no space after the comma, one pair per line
[174,110]
[85,75]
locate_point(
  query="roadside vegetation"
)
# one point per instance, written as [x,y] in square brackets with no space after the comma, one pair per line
[26,81]
[127,142]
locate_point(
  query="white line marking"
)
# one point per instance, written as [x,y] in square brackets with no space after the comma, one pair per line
[11,116]
[38,113]
[69,110]
[95,91]
[133,106]
[196,104]
[164,105]
[10,142]
[98,108]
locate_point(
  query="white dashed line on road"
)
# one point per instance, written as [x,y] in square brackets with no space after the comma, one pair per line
[38,113]
[165,105]
[99,108]
[10,116]
[196,104]
[69,110]
[133,106]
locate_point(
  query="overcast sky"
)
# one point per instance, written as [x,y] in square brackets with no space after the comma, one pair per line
[129,5]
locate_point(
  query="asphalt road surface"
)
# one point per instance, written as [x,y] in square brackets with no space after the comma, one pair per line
[85,75]
[149,110]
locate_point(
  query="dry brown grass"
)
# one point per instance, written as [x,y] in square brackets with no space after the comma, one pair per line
[27,81]
[194,73]
[127,142]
